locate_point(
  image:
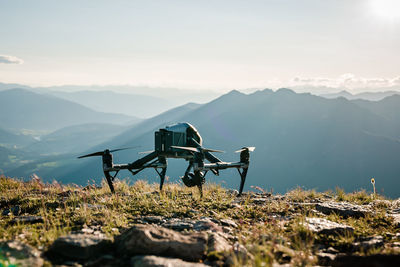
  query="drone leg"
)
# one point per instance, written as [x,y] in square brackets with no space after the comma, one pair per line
[243,175]
[199,181]
[163,171]
[162,177]
[109,181]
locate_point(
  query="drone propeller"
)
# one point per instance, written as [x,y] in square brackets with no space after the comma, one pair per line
[250,149]
[197,149]
[146,152]
[125,148]
[101,153]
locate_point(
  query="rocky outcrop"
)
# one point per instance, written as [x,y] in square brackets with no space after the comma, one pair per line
[343,209]
[324,226]
[160,241]
[79,246]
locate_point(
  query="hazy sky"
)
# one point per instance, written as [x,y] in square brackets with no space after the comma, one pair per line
[201,44]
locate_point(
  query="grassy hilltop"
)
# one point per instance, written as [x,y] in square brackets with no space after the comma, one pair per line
[268,229]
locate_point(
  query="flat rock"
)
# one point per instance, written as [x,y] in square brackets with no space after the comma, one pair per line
[343,209]
[324,226]
[369,243]
[160,241]
[79,246]
[228,222]
[155,261]
[15,253]
[27,219]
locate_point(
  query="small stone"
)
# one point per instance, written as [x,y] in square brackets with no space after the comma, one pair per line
[155,261]
[79,246]
[343,209]
[233,192]
[228,222]
[160,241]
[15,253]
[87,231]
[324,226]
[27,219]
[331,250]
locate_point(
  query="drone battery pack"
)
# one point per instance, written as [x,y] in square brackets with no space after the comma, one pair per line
[165,139]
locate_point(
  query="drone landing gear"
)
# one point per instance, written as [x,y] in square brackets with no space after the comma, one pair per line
[163,171]
[243,175]
[162,176]
[199,179]
[110,180]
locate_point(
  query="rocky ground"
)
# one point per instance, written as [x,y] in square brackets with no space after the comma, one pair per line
[73,226]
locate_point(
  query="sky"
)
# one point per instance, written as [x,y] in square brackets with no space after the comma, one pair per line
[232,44]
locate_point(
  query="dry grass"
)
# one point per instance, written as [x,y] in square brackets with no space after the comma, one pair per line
[271,232]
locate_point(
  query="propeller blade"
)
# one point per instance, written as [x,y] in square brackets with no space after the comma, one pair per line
[250,149]
[146,152]
[197,149]
[187,148]
[212,150]
[125,148]
[99,153]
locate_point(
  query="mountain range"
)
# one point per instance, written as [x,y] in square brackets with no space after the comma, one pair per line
[301,140]
[371,96]
[21,109]
[136,101]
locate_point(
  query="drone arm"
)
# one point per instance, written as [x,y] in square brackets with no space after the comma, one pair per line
[138,164]
[211,158]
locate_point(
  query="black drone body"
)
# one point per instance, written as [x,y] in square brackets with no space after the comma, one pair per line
[180,140]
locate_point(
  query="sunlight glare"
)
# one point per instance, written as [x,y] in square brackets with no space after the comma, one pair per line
[386,9]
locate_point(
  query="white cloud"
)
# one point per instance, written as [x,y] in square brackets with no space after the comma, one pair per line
[347,80]
[10,60]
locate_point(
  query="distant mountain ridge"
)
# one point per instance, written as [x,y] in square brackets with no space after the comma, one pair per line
[137,101]
[23,109]
[372,96]
[142,106]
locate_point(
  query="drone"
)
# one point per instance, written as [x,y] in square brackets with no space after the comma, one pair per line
[181,140]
